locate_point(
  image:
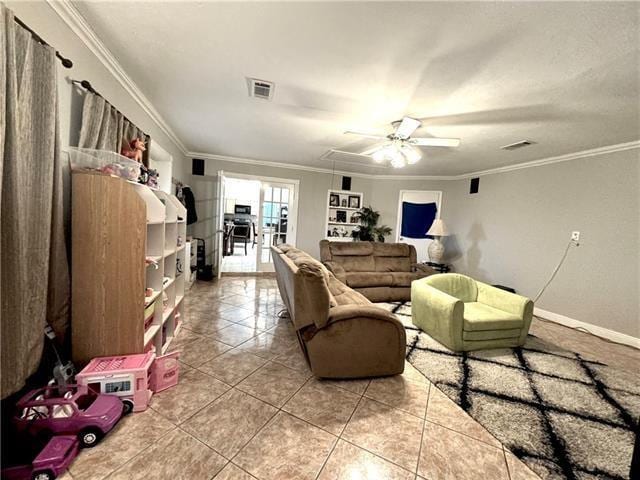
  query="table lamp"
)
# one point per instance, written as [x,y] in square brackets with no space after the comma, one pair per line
[436,248]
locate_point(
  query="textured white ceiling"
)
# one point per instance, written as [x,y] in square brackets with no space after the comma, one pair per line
[563,75]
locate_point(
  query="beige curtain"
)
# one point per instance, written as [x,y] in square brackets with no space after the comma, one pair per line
[104,127]
[34,276]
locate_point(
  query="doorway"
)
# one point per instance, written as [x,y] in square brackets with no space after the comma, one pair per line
[241,203]
[253,214]
[418,198]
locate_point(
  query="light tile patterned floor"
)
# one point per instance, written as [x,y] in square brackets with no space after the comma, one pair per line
[247,407]
[239,262]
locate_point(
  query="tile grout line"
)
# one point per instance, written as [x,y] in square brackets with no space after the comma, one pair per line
[424,425]
[339,437]
[278,410]
[175,427]
[504,455]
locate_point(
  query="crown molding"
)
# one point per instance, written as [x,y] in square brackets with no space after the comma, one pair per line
[308,168]
[534,163]
[76,22]
[620,147]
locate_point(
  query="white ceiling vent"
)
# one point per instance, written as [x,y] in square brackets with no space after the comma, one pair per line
[260,88]
[517,145]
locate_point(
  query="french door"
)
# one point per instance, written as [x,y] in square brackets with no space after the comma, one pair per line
[277,220]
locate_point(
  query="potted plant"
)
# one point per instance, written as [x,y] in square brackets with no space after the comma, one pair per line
[368,230]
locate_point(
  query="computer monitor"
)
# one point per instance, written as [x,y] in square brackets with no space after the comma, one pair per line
[242,209]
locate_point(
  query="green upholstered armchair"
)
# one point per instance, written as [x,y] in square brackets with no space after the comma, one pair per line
[464,314]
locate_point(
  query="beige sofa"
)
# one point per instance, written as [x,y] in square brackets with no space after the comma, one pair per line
[340,332]
[382,272]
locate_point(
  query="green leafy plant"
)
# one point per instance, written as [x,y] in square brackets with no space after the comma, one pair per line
[369,229]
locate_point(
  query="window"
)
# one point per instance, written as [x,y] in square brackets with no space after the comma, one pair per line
[113,387]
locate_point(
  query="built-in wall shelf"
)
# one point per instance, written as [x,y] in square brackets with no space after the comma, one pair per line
[110,278]
[342,214]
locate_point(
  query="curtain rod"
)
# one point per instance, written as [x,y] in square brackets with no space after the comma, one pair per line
[86,84]
[66,63]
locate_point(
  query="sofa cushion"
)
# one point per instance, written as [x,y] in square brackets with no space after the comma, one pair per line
[354,263]
[403,279]
[392,264]
[478,316]
[344,295]
[368,279]
[491,334]
[391,250]
[341,249]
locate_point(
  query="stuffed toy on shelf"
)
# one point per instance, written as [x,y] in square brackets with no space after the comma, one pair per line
[134,150]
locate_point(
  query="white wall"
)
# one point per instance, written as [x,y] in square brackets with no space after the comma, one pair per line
[514,231]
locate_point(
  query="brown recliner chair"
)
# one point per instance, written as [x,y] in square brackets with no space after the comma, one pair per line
[340,332]
[382,272]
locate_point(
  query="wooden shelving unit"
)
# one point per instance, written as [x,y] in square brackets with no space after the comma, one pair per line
[117,226]
[335,213]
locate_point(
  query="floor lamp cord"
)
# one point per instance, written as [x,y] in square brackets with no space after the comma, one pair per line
[553,275]
[555,271]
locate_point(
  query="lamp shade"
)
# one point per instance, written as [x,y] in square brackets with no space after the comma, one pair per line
[438,228]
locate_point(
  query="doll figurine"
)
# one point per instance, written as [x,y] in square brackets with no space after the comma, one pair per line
[134,150]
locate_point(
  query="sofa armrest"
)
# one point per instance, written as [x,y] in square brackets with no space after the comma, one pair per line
[503,300]
[422,268]
[345,312]
[437,313]
[338,271]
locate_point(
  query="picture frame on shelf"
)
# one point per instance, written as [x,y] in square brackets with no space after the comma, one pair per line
[334,200]
[344,202]
[341,216]
[354,201]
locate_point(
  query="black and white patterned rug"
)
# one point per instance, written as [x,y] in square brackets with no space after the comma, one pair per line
[566,416]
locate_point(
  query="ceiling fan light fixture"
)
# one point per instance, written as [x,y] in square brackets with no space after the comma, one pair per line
[379,155]
[412,154]
[398,161]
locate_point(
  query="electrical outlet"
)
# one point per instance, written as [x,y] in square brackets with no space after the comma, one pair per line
[575,237]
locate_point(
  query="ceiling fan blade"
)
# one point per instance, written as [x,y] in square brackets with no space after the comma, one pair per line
[367,135]
[434,142]
[375,148]
[407,126]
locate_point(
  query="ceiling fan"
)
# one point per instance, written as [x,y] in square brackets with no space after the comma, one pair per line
[399,149]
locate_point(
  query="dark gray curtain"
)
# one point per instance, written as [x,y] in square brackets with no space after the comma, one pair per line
[104,127]
[34,275]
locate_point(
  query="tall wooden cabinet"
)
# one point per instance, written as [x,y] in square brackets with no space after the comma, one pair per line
[126,238]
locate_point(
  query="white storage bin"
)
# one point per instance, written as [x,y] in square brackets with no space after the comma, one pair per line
[105,161]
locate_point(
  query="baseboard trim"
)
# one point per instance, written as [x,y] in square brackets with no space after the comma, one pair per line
[596,330]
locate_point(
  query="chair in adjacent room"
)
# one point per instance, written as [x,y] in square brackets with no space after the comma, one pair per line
[242,233]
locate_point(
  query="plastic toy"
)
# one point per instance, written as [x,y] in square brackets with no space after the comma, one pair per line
[47,463]
[132,378]
[79,411]
[134,149]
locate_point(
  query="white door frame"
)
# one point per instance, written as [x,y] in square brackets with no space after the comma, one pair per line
[219,238]
[399,217]
[292,214]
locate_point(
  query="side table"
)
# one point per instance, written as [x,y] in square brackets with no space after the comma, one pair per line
[438,267]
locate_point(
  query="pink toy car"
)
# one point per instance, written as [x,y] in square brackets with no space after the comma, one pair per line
[51,461]
[79,411]
[132,378]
